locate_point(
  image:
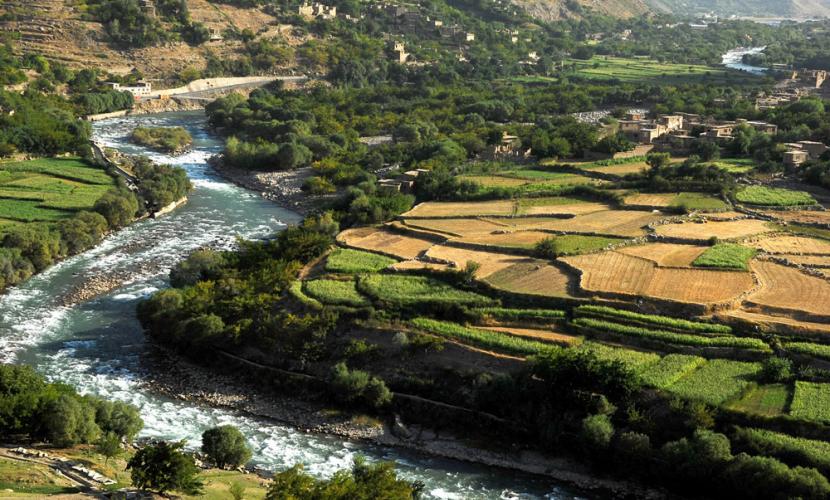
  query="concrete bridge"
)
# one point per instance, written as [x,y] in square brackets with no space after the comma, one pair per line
[204,88]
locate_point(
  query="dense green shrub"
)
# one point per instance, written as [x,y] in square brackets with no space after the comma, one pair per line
[164,467]
[225,446]
[358,388]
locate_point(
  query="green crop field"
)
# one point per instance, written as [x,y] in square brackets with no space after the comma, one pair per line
[651,320]
[726,256]
[537,315]
[335,292]
[774,197]
[698,201]
[790,449]
[49,189]
[767,400]
[667,337]
[605,68]
[734,165]
[347,260]
[482,338]
[821,351]
[407,290]
[636,360]
[811,401]
[717,381]
[670,369]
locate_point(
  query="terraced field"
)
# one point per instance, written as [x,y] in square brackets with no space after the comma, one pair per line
[49,189]
[723,230]
[489,262]
[385,242]
[617,273]
[533,278]
[787,244]
[666,254]
[786,289]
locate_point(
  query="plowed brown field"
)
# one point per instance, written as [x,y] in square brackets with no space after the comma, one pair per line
[458,227]
[378,240]
[627,223]
[719,229]
[490,262]
[650,199]
[787,288]
[666,254]
[515,239]
[462,209]
[410,265]
[615,272]
[533,278]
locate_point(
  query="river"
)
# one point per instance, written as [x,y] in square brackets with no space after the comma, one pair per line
[97,345]
[733,59]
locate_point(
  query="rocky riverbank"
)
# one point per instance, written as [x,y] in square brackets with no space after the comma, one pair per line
[281,187]
[171,375]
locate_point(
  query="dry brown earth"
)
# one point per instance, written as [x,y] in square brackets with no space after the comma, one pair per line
[533,278]
[490,262]
[793,245]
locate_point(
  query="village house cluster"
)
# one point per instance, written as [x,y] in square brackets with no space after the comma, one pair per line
[677,131]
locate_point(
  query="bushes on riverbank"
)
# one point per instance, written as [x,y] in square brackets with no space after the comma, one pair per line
[173,140]
[56,413]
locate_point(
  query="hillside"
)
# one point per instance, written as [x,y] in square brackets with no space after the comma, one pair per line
[60,31]
[746,8]
[551,10]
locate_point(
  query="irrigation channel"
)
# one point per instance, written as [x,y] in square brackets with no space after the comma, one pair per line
[97,345]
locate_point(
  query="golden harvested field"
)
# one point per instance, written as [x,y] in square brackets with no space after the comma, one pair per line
[490,262]
[723,230]
[378,240]
[619,273]
[626,168]
[788,288]
[801,216]
[533,278]
[660,200]
[533,333]
[810,260]
[515,239]
[458,227]
[555,206]
[721,216]
[793,245]
[666,254]
[626,223]
[416,265]
[777,322]
[462,209]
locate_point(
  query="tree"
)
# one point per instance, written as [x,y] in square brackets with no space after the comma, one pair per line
[225,446]
[356,387]
[658,160]
[364,481]
[164,467]
[597,431]
[69,420]
[118,418]
[109,445]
